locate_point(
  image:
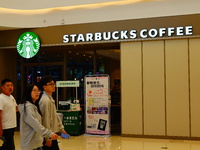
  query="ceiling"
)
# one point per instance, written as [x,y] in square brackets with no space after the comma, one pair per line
[28,14]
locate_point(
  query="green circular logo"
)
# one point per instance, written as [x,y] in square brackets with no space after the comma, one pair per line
[28,45]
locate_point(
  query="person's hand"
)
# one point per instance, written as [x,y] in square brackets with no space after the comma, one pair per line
[54,136]
[48,143]
[64,132]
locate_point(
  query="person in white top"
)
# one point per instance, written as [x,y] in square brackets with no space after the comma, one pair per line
[8,108]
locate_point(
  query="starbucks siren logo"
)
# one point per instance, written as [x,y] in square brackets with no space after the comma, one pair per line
[28,45]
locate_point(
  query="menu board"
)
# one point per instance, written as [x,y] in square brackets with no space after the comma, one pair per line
[97,94]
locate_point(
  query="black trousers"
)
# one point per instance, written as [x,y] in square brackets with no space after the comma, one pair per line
[54,146]
[8,143]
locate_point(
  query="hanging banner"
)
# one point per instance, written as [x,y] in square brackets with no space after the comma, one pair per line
[97,93]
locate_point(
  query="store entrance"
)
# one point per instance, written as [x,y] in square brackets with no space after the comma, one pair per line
[74,63]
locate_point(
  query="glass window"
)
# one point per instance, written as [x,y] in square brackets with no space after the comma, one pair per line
[51,54]
[35,73]
[79,64]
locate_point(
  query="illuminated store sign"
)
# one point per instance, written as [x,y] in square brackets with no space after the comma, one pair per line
[28,45]
[132,34]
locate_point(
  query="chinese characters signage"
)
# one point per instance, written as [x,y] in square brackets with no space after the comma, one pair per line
[97,105]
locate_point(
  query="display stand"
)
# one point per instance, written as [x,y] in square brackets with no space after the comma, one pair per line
[97,105]
[71,120]
[62,84]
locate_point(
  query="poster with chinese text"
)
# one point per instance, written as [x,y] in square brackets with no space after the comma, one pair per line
[97,92]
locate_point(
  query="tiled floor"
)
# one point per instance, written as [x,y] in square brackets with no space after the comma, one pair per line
[114,142]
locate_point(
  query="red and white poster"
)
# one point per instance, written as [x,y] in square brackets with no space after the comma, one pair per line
[97,94]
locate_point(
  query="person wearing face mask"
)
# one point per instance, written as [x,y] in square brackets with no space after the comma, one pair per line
[32,131]
[8,108]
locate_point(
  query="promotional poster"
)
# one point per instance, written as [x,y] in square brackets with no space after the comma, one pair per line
[97,105]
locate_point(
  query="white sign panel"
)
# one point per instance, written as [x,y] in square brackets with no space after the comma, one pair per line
[67,83]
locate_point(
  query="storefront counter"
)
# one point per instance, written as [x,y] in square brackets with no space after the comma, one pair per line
[72,121]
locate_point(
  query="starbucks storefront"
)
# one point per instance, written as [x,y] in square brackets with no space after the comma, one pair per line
[152,63]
